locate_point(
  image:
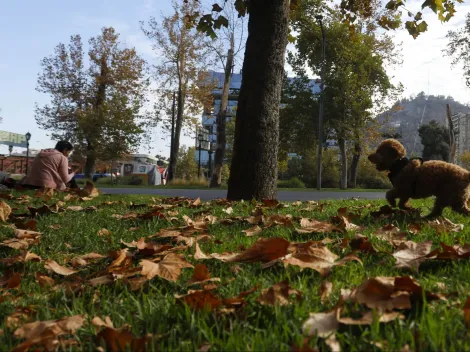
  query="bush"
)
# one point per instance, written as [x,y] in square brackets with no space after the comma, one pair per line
[369,177]
[294,182]
[194,182]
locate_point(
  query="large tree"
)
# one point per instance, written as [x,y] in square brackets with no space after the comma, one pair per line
[182,70]
[254,164]
[95,102]
[355,78]
[459,47]
[435,141]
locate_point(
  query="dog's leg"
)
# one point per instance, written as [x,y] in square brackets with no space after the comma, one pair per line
[403,204]
[461,207]
[439,206]
[391,196]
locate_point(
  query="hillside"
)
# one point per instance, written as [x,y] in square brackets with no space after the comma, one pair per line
[416,111]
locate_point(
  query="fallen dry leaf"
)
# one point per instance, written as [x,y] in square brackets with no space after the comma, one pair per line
[15,243]
[444,225]
[104,232]
[46,333]
[326,288]
[201,300]
[321,324]
[253,231]
[264,250]
[122,339]
[279,294]
[89,190]
[466,312]
[43,280]
[368,318]
[5,211]
[201,275]
[58,269]
[169,268]
[314,226]
[199,255]
[411,254]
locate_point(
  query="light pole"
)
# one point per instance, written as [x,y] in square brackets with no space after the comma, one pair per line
[28,137]
[199,137]
[10,149]
[320,116]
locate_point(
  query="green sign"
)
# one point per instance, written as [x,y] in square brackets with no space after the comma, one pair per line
[14,139]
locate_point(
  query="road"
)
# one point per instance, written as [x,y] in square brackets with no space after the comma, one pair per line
[214,194]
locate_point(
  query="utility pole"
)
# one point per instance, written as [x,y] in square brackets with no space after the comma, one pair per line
[320,116]
[170,173]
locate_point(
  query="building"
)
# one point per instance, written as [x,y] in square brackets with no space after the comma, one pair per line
[461,122]
[209,116]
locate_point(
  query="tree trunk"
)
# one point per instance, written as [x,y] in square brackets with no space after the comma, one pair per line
[452,144]
[90,164]
[178,127]
[253,172]
[354,164]
[344,164]
[216,180]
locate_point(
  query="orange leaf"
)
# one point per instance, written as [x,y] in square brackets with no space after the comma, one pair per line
[5,211]
[58,269]
[253,231]
[264,250]
[325,290]
[44,280]
[278,294]
[169,268]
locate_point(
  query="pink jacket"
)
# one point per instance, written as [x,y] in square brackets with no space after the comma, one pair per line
[50,169]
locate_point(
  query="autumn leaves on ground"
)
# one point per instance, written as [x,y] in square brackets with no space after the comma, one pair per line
[87,271]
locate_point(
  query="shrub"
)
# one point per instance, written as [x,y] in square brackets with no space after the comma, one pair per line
[294,182]
[369,177]
[193,182]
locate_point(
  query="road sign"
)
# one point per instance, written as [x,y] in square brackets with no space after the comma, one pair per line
[14,139]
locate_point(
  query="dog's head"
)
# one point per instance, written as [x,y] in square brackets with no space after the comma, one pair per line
[389,151]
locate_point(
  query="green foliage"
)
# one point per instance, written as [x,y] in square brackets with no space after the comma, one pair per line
[369,177]
[459,47]
[294,182]
[435,140]
[187,166]
[96,100]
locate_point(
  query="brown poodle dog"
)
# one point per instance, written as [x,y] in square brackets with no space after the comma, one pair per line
[415,179]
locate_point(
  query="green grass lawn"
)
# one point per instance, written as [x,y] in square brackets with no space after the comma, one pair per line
[155,308]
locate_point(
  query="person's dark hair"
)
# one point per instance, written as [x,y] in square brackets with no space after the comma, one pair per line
[63,145]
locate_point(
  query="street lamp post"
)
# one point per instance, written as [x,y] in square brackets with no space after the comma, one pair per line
[28,137]
[199,137]
[320,116]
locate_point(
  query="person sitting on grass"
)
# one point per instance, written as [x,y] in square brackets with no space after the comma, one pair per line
[50,169]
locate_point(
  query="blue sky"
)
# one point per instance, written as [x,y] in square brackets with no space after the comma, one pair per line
[30,29]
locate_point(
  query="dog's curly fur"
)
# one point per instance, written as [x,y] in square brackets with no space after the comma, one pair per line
[416,180]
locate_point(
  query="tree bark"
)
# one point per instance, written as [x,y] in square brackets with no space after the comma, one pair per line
[176,138]
[344,163]
[90,164]
[452,144]
[354,165]
[221,142]
[253,172]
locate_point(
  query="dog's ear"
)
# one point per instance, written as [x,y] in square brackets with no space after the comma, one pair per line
[374,158]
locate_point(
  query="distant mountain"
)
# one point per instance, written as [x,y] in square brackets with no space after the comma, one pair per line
[410,113]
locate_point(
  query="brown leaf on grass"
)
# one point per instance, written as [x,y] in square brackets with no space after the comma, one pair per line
[321,324]
[84,259]
[5,211]
[26,225]
[196,202]
[14,281]
[26,234]
[391,234]
[22,258]
[169,268]
[201,300]
[44,210]
[58,269]
[264,250]
[345,224]
[89,190]
[55,227]
[466,312]
[121,339]
[279,294]
[76,208]
[44,280]
[18,317]
[362,243]
[270,203]
[206,347]
[388,293]
[314,226]
[318,259]
[326,288]
[368,318]
[277,219]
[411,254]
[104,232]
[444,225]
[15,243]
[253,231]
[199,255]
[201,275]
[385,211]
[46,333]
[414,228]
[254,220]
